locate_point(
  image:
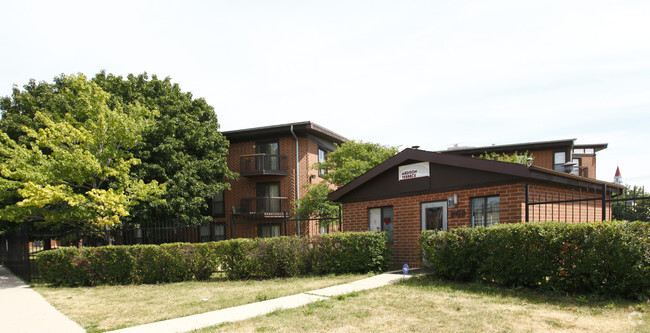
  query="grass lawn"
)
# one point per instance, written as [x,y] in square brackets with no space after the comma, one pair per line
[112,307]
[426,305]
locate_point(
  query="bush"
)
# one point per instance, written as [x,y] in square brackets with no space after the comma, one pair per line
[607,258]
[351,252]
[259,258]
[127,264]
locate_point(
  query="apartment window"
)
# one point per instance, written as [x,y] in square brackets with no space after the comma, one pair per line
[559,159]
[219,231]
[271,159]
[205,233]
[381,219]
[485,211]
[322,155]
[269,230]
[268,197]
[218,205]
[323,229]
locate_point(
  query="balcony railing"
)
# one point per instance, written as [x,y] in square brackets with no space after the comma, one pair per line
[264,206]
[263,164]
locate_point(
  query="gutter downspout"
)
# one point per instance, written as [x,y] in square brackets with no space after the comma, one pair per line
[297,172]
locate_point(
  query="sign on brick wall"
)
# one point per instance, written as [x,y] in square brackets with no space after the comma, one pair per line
[413,171]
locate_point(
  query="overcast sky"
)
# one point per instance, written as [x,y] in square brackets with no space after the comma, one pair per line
[428,73]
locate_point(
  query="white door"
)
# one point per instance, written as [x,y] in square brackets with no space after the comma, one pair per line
[434,215]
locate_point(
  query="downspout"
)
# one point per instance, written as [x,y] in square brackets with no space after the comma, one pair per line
[297,172]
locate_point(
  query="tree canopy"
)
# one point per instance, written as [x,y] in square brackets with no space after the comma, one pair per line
[181,146]
[516,157]
[74,166]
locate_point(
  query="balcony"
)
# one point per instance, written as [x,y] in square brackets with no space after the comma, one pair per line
[267,207]
[263,165]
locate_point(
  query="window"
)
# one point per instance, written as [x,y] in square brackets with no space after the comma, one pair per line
[269,230]
[485,211]
[268,197]
[321,159]
[323,229]
[219,231]
[271,158]
[381,219]
[218,205]
[559,158]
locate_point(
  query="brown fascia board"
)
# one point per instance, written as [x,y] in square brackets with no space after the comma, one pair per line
[415,155]
[300,128]
[519,147]
[596,146]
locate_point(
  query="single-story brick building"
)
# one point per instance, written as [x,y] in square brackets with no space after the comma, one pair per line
[419,190]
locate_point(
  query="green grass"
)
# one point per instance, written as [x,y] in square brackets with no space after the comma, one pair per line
[104,308]
[427,305]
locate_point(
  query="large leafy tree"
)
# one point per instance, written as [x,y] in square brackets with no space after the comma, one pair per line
[182,148]
[349,161]
[72,167]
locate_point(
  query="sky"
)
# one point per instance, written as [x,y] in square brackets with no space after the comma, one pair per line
[400,73]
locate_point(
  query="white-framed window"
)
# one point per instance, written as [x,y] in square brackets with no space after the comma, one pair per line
[485,211]
[559,159]
[381,219]
[322,156]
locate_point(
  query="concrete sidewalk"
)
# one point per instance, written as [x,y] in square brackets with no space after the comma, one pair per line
[189,323]
[24,310]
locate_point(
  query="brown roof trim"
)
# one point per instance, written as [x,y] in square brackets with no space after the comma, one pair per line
[517,170]
[521,147]
[300,128]
[415,155]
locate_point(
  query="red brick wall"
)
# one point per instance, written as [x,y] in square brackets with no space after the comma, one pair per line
[406,215]
[245,187]
[574,212]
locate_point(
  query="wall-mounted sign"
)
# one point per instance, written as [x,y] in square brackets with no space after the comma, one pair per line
[412,171]
[458,213]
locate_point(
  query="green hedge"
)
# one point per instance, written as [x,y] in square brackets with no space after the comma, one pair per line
[607,258]
[239,258]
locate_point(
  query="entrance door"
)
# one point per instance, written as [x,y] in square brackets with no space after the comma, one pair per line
[270,160]
[434,215]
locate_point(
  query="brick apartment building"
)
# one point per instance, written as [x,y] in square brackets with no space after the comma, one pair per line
[274,164]
[419,190]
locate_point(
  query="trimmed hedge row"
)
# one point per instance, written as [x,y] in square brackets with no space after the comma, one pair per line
[239,258]
[607,258]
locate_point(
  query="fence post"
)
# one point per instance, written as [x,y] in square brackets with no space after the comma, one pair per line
[340,217]
[604,202]
[527,198]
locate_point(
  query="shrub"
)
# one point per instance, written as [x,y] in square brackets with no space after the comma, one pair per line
[259,258]
[351,252]
[607,258]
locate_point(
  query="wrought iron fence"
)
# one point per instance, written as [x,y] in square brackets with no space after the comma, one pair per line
[586,205]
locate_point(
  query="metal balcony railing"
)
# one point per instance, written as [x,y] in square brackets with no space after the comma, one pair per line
[263,164]
[264,206]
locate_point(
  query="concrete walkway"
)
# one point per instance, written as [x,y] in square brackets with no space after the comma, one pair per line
[24,310]
[189,323]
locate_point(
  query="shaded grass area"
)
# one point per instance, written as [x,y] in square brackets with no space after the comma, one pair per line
[423,304]
[104,308]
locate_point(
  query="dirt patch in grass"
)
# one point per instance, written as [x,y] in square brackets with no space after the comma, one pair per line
[104,308]
[424,305]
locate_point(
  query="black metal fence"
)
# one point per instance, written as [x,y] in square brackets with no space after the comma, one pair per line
[18,248]
[587,205]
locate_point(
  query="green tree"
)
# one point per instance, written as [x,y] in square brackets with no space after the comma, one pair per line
[74,169]
[352,159]
[635,207]
[349,161]
[520,158]
[182,148]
